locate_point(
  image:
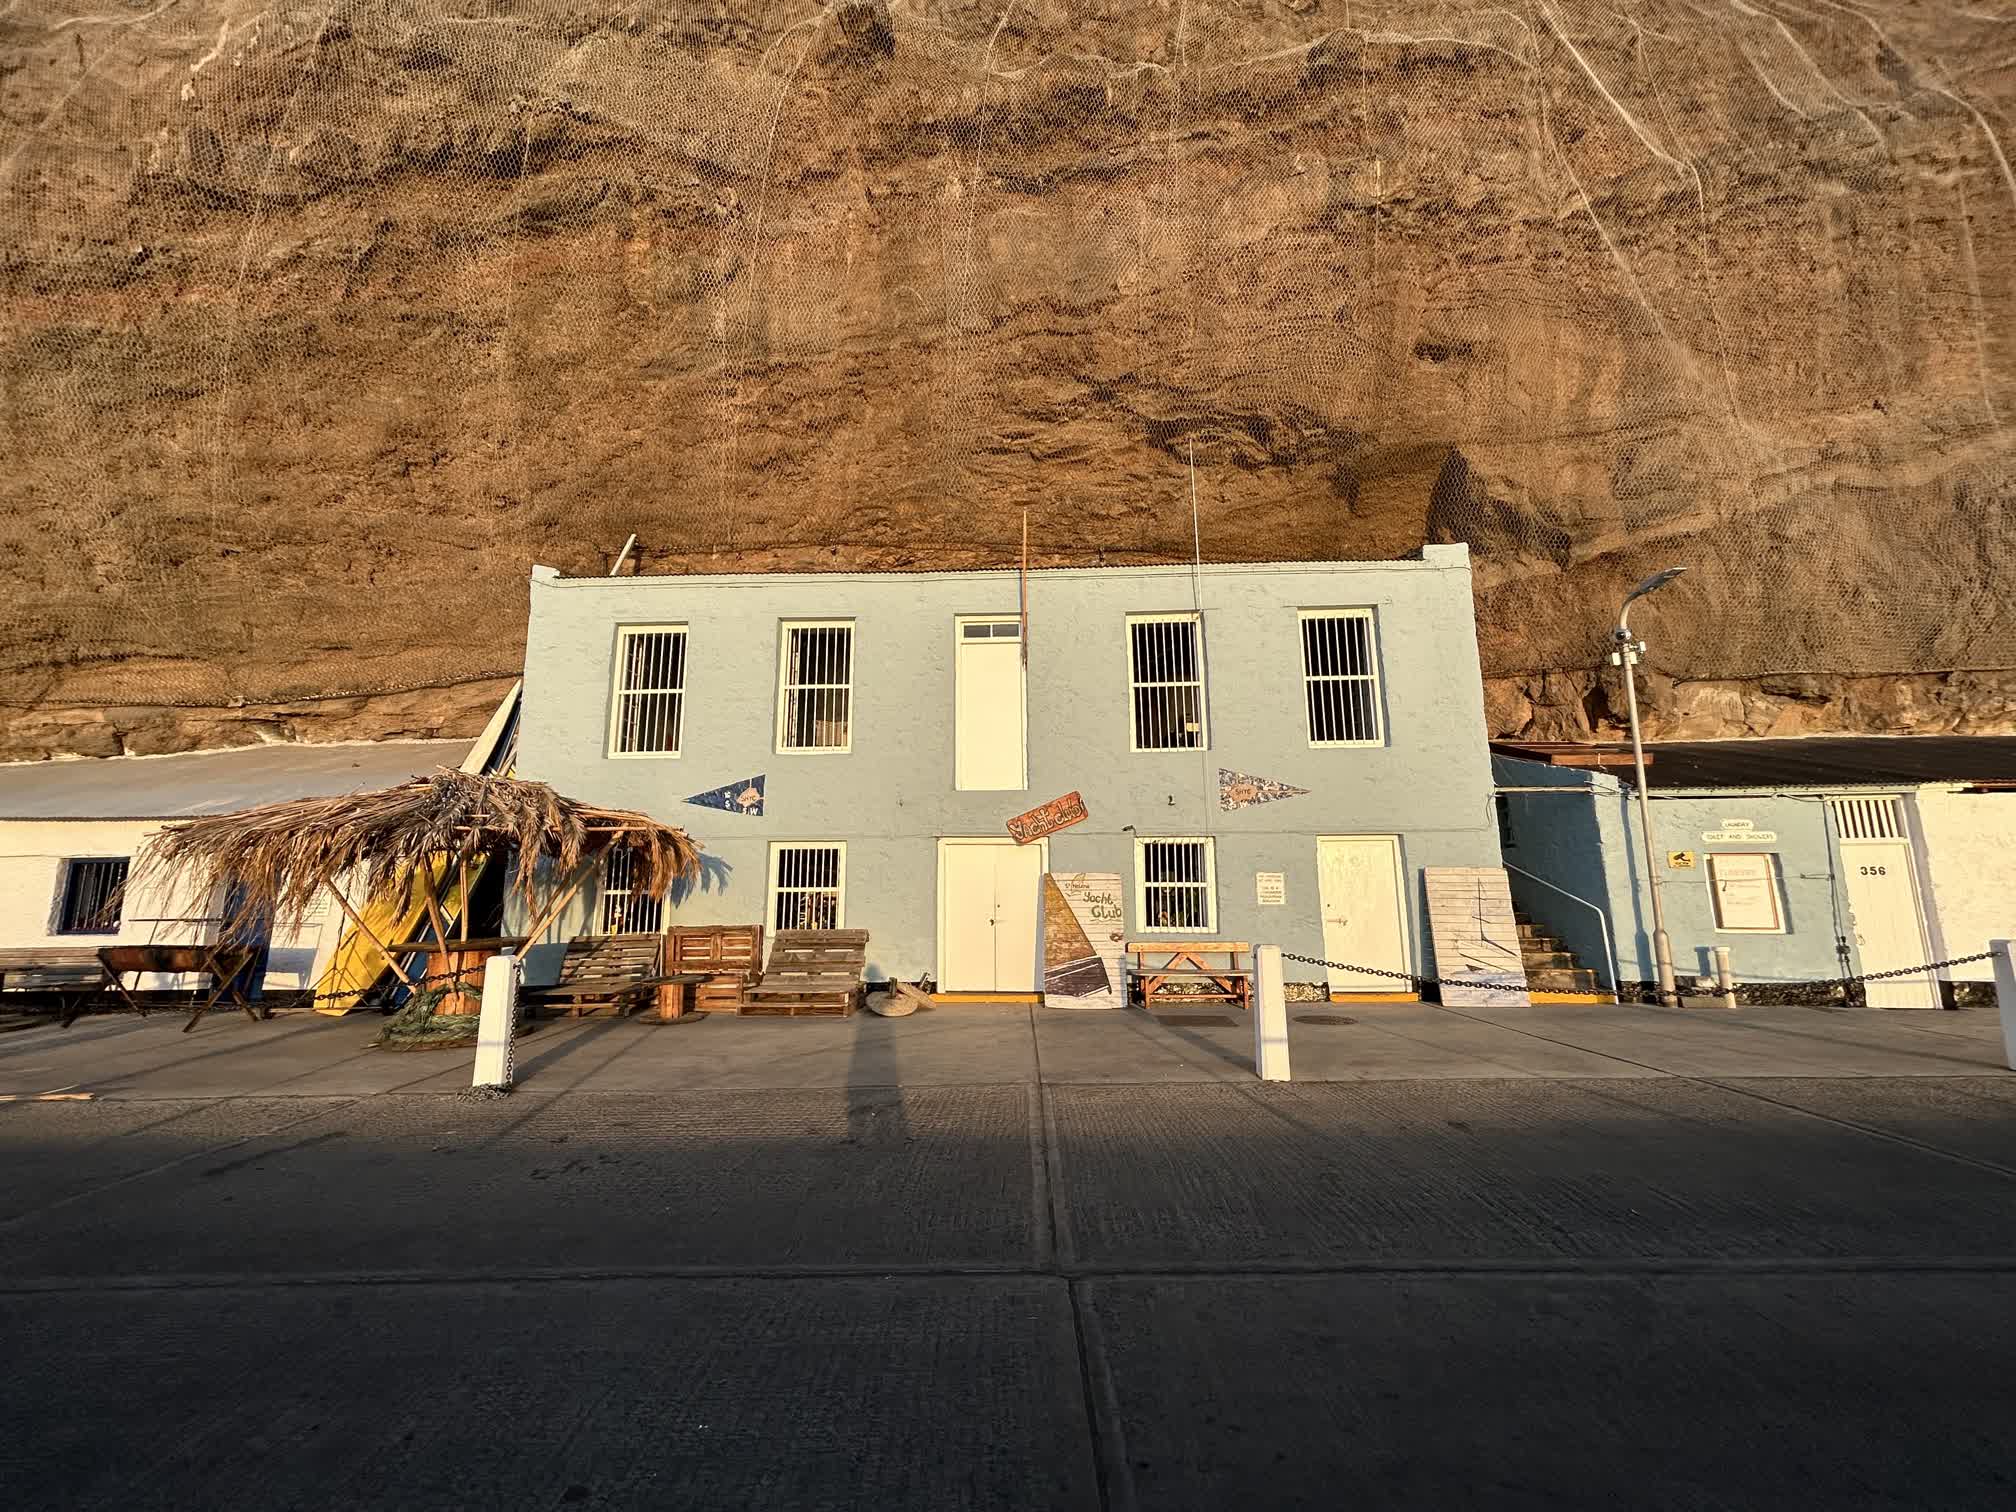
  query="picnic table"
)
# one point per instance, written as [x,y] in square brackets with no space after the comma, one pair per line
[225,962]
[1194,966]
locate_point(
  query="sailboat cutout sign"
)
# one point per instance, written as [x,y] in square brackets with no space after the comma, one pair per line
[1237,790]
[745,797]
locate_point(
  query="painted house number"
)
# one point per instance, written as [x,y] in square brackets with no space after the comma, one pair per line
[1875,871]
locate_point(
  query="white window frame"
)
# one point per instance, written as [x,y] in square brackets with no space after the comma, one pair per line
[618,693]
[1134,683]
[628,896]
[1371,679]
[1774,874]
[784,685]
[771,891]
[959,624]
[1210,924]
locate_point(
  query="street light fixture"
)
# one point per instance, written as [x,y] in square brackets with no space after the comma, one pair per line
[1627,656]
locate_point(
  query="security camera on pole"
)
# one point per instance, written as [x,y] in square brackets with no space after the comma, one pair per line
[1627,656]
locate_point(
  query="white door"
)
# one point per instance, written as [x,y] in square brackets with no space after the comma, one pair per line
[1883,900]
[987,902]
[989,741]
[1364,917]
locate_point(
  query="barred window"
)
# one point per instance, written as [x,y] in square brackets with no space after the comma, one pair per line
[1176,884]
[1165,666]
[1340,675]
[94,895]
[624,909]
[815,687]
[808,886]
[650,703]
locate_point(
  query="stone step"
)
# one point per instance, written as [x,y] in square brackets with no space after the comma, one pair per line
[1561,979]
[1547,960]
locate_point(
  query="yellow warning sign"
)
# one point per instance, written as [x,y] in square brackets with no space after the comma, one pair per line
[1680,860]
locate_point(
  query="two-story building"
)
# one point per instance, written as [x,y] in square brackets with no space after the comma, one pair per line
[1266,752]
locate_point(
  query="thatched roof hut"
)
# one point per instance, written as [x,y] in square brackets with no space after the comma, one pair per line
[278,857]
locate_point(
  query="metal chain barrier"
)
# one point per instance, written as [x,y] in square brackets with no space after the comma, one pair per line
[1844,981]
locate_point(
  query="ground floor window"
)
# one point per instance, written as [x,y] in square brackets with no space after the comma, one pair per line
[1176,884]
[624,909]
[808,886]
[93,897]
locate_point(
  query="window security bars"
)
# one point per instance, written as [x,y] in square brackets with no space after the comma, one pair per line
[624,909]
[650,692]
[1166,671]
[1340,674]
[805,887]
[94,893]
[816,693]
[1177,884]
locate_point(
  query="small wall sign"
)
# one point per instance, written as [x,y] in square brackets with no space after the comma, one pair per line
[1271,888]
[1680,860]
[1738,836]
[1048,818]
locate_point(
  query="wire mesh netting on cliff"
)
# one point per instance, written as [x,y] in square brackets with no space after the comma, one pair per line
[322,322]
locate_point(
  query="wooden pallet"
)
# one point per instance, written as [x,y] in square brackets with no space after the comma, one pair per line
[731,956]
[811,971]
[619,970]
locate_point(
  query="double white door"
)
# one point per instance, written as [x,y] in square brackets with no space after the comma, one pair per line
[987,914]
[1364,913]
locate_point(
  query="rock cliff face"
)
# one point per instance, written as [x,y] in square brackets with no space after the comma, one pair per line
[318,325]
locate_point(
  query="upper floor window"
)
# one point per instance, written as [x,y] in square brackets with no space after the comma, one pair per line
[1340,675]
[815,689]
[94,895]
[650,699]
[1165,668]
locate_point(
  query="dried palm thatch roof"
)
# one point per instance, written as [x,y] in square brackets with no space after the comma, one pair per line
[283,854]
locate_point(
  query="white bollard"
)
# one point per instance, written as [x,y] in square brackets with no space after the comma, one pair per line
[2004,952]
[500,1018]
[1725,979]
[1270,1015]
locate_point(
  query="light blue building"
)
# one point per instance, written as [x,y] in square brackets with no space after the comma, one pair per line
[1807,859]
[1265,753]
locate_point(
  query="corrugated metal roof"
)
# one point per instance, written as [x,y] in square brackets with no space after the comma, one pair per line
[1810,761]
[211,782]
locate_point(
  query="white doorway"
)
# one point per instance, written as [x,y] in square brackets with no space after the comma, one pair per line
[1883,906]
[990,715]
[1364,906]
[987,914]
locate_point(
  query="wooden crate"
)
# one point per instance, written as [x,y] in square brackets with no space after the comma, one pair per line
[811,971]
[731,955]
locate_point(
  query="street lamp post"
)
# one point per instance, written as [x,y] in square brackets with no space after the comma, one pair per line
[1626,656]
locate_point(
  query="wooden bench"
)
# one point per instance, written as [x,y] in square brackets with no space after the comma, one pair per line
[729,958]
[811,971]
[622,971]
[1191,964]
[71,972]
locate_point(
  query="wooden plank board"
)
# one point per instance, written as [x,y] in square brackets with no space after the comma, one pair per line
[1473,937]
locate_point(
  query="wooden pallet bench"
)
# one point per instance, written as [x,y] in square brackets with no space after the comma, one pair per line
[619,971]
[729,958]
[1190,972]
[811,971]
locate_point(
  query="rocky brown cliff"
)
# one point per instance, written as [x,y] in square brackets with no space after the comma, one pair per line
[319,324]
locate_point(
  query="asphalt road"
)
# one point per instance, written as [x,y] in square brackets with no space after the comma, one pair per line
[1449,1294]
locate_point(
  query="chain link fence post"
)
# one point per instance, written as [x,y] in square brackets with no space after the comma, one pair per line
[495,1029]
[2003,953]
[1270,1016]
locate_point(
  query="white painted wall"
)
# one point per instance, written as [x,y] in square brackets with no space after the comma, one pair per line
[1967,845]
[32,853]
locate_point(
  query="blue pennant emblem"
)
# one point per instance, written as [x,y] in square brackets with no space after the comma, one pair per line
[745,797]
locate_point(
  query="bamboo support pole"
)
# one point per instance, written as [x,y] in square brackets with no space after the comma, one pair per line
[431,897]
[546,919]
[365,930]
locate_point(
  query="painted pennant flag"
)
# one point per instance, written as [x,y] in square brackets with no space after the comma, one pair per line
[745,797]
[1237,790]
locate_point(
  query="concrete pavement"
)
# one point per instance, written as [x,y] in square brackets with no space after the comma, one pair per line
[979,1259]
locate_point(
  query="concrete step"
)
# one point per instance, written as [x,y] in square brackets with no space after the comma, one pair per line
[1544,960]
[1561,979]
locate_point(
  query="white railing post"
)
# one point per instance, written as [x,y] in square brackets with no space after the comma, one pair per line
[1725,979]
[1270,1015]
[495,1029]
[2004,952]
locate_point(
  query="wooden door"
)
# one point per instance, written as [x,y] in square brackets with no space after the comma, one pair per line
[1364,912]
[1883,899]
[988,896]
